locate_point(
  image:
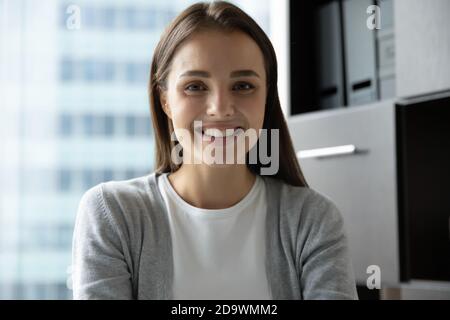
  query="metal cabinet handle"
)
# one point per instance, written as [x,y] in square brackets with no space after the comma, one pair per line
[327,152]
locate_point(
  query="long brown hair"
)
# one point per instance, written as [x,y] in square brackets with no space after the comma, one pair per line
[224,16]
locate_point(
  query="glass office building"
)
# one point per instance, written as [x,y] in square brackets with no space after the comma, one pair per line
[74,113]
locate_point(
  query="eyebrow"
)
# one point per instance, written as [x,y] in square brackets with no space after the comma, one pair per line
[234,74]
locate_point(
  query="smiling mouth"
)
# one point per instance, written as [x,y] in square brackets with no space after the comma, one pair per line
[212,134]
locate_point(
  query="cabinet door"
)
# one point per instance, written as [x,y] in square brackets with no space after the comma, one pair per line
[424,183]
[422,32]
[362,183]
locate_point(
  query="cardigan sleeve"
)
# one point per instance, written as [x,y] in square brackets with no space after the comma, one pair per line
[326,268]
[99,267]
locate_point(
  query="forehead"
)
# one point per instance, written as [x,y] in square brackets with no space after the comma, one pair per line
[218,51]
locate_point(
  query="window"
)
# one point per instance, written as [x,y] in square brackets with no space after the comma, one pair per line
[63,239]
[88,179]
[65,125]
[109,125]
[130,174]
[65,180]
[89,70]
[108,17]
[130,17]
[150,18]
[108,175]
[67,70]
[108,72]
[130,121]
[98,125]
[88,124]
[136,72]
[143,126]
[88,16]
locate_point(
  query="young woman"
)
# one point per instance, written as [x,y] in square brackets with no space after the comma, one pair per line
[198,229]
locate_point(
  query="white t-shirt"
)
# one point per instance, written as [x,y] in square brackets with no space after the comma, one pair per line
[218,253]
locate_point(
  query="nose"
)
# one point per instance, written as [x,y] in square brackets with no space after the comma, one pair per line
[220,104]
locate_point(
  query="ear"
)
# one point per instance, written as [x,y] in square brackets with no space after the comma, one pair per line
[164,104]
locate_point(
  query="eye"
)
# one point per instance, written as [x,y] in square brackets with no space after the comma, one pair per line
[243,86]
[195,87]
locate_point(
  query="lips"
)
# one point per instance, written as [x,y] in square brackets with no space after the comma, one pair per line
[220,132]
[222,135]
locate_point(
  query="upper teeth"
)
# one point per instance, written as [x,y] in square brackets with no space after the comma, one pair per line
[214,132]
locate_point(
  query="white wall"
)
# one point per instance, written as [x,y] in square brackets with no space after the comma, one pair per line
[422,31]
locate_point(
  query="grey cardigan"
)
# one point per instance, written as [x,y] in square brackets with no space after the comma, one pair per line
[121,245]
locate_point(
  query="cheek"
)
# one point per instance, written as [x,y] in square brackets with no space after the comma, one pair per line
[254,112]
[184,112]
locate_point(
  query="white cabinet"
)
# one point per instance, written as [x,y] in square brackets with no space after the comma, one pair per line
[362,184]
[386,168]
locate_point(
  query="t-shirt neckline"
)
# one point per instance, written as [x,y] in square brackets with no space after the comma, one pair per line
[212,213]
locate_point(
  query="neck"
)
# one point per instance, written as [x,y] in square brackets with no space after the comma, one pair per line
[211,187]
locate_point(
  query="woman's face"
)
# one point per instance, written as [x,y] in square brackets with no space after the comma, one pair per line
[218,78]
